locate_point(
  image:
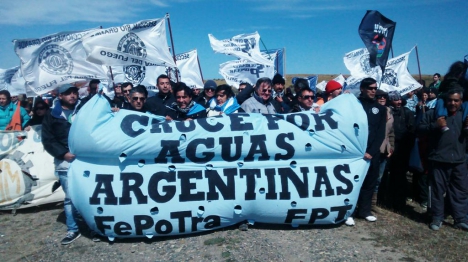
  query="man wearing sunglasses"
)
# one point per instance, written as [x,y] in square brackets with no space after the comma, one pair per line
[125,101]
[305,100]
[138,97]
[376,119]
[261,100]
[208,93]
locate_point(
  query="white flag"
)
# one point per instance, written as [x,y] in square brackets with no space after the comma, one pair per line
[237,71]
[244,46]
[6,75]
[357,62]
[189,69]
[53,60]
[143,43]
[397,77]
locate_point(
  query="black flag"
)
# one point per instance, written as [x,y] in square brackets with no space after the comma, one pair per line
[376,32]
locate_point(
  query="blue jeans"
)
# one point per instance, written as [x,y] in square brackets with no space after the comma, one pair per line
[382,166]
[70,210]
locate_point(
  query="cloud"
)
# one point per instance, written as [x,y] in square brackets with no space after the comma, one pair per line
[56,12]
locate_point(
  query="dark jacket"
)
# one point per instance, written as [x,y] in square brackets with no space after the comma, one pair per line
[445,147]
[158,104]
[55,129]
[403,124]
[376,119]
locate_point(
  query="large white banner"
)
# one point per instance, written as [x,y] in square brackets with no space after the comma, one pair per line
[397,77]
[171,178]
[8,81]
[244,46]
[189,69]
[27,171]
[143,43]
[57,59]
[243,71]
[357,62]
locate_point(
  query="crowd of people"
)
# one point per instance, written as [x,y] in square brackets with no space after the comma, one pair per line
[423,132]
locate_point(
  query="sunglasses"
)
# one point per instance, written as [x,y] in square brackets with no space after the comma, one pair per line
[138,99]
[381,96]
[266,90]
[308,97]
[126,91]
[371,88]
[209,89]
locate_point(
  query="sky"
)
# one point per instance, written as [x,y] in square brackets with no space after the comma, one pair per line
[315,33]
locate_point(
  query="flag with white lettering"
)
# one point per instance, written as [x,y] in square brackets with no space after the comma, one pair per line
[244,71]
[376,32]
[244,46]
[54,60]
[143,43]
[397,77]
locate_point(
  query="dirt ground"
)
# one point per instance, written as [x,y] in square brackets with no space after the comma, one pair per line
[34,235]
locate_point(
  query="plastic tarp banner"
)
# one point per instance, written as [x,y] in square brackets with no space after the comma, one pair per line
[27,176]
[135,176]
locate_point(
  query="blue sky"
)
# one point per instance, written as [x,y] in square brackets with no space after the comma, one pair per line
[315,33]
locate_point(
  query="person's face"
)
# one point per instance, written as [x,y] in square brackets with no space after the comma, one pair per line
[137,100]
[93,88]
[40,110]
[221,97]
[432,95]
[209,92]
[118,89]
[69,98]
[126,92]
[196,91]
[241,87]
[264,91]
[396,103]
[182,99]
[337,92]
[164,85]
[453,103]
[370,91]
[381,99]
[3,100]
[14,98]
[436,78]
[424,96]
[278,87]
[306,99]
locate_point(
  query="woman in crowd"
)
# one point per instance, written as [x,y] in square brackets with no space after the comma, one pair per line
[184,108]
[38,112]
[7,109]
[224,102]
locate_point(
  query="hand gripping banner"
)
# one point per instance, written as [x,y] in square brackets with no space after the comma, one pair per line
[135,176]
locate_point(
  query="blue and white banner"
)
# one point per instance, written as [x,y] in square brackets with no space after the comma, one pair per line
[278,58]
[143,43]
[170,178]
[243,71]
[397,77]
[54,60]
[244,46]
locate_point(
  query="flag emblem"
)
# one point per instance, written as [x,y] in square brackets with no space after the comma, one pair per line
[390,77]
[132,44]
[56,60]
[134,73]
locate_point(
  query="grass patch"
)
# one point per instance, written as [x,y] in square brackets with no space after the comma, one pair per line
[215,241]
[225,254]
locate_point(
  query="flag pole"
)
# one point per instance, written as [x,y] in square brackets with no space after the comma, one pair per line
[269,57]
[172,44]
[417,58]
[199,67]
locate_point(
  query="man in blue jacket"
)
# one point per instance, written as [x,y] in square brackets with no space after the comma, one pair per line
[8,108]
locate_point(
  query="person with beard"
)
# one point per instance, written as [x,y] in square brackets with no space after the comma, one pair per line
[185,108]
[163,99]
[55,129]
[376,118]
[261,100]
[305,101]
[279,98]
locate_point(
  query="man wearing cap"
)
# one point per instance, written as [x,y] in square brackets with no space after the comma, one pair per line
[333,89]
[403,127]
[208,93]
[163,98]
[278,94]
[55,128]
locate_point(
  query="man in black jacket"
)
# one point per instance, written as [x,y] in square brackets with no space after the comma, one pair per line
[164,98]
[376,118]
[447,153]
[55,128]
